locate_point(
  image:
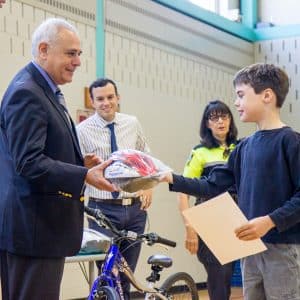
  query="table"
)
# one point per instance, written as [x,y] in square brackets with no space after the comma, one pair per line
[90,258]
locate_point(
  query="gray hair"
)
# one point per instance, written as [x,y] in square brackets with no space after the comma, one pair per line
[47,32]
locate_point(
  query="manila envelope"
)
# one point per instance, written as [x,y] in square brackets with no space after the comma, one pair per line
[215,221]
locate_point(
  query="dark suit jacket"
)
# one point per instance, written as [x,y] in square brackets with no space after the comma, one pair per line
[42,172]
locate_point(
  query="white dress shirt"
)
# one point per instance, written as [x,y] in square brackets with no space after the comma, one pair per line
[94,137]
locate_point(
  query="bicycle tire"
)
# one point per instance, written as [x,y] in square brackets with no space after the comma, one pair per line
[106,293]
[180,286]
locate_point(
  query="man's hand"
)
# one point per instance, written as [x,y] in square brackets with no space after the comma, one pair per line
[255,228]
[95,178]
[191,240]
[91,160]
[2,2]
[167,177]
[146,198]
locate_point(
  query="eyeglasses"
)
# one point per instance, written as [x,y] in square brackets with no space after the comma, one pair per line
[215,118]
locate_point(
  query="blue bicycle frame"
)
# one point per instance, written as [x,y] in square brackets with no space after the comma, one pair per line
[110,275]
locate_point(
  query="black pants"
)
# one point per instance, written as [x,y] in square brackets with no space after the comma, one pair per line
[128,218]
[24,277]
[218,276]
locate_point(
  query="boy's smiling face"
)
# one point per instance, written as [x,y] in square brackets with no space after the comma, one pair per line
[249,105]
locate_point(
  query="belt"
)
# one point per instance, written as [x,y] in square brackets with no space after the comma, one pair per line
[123,201]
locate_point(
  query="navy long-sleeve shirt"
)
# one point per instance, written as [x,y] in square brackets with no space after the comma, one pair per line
[266,170]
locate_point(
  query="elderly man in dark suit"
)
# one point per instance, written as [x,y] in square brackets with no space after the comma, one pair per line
[42,169]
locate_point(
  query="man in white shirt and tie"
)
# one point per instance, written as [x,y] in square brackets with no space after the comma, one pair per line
[101,134]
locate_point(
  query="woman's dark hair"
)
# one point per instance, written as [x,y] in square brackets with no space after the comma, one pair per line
[216,107]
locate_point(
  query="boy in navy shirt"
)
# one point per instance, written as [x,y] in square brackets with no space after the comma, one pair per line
[266,170]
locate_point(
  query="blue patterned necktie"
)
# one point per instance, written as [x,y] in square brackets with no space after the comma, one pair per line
[61,99]
[113,148]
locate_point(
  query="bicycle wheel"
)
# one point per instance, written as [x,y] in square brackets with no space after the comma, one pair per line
[180,286]
[106,293]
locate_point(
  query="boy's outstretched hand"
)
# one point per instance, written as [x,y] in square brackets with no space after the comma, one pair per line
[255,228]
[167,177]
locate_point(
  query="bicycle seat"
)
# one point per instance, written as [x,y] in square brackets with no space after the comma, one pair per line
[160,260]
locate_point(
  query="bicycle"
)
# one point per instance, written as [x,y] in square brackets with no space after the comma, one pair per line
[107,286]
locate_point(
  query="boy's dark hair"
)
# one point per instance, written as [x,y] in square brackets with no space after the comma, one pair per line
[263,76]
[101,82]
[216,107]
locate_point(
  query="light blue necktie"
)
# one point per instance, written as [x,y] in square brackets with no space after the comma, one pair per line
[113,148]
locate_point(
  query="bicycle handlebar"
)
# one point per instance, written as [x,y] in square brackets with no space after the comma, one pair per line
[151,238]
[155,238]
[96,213]
[101,217]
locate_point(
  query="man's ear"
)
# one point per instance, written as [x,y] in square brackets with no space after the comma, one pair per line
[268,96]
[43,50]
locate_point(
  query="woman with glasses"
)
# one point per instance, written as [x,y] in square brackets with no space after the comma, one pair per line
[218,137]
